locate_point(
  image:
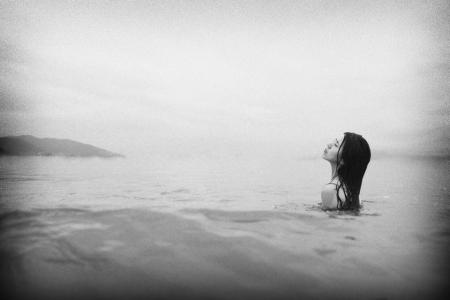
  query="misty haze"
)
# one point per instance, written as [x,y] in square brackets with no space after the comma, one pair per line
[173,149]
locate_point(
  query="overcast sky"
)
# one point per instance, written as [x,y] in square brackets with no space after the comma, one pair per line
[227,76]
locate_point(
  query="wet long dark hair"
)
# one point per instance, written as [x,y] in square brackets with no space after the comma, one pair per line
[353,158]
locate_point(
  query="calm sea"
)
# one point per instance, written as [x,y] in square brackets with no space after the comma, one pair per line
[220,229]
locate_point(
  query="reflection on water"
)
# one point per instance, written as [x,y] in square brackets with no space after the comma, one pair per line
[219,229]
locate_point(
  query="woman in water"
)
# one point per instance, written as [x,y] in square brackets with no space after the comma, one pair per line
[348,156]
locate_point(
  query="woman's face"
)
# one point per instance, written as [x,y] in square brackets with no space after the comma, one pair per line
[331,151]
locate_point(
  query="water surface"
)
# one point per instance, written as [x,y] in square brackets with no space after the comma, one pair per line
[220,229]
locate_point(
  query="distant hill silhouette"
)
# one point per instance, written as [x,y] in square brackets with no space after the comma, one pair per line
[28,145]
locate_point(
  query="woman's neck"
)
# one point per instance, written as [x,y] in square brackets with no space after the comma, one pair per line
[333,170]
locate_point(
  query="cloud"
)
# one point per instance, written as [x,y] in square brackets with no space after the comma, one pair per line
[11,62]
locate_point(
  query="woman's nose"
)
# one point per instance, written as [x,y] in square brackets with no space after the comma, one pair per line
[329,146]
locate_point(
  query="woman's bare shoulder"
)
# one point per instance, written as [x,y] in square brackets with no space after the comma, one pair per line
[329,186]
[329,196]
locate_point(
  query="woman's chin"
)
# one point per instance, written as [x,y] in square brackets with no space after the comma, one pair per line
[328,159]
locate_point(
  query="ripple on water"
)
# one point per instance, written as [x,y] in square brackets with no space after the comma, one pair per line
[177,191]
[254,216]
[324,251]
